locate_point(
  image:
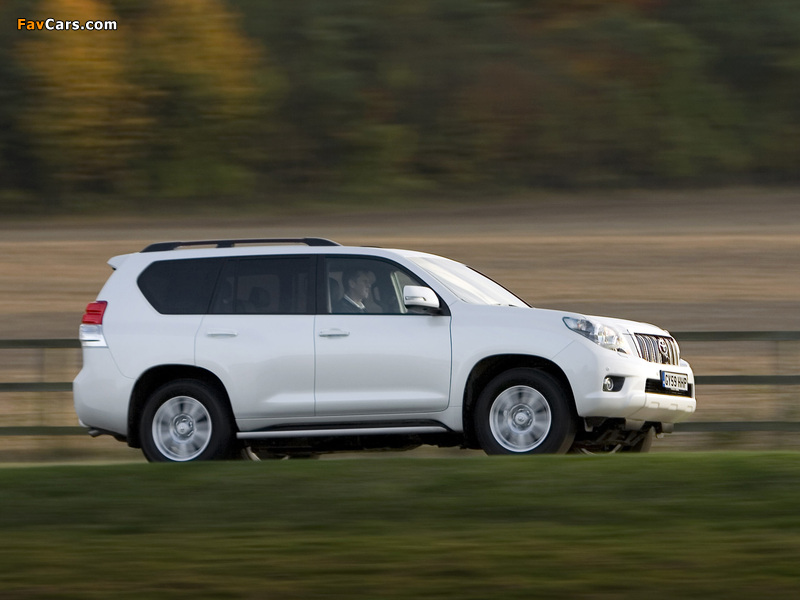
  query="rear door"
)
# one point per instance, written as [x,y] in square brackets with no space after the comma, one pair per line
[259,336]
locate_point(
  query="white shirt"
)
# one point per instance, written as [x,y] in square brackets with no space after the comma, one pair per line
[358,305]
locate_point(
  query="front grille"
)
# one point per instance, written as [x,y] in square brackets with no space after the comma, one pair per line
[657,349]
[654,386]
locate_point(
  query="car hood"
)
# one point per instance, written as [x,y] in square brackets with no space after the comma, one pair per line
[631,327]
[552,319]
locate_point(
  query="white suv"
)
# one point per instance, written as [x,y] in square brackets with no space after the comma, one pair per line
[295,347]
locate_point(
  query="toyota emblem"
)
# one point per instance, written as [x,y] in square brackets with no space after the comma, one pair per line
[662,347]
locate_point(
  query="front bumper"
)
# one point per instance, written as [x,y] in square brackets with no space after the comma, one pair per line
[632,402]
[587,366]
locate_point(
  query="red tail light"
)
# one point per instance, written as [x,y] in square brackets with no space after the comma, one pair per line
[94,313]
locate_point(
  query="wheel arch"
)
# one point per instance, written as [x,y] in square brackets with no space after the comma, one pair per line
[153,379]
[490,367]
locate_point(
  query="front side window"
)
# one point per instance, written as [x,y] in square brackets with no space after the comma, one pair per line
[364,285]
[265,286]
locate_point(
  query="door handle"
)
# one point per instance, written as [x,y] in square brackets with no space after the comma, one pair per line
[333,333]
[221,333]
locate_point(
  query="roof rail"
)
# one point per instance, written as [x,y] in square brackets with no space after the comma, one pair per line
[309,241]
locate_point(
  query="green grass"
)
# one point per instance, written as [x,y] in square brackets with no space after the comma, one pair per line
[648,526]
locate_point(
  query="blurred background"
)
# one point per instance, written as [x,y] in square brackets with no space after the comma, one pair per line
[256,101]
[637,158]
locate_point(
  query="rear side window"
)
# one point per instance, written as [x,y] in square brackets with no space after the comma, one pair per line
[275,285]
[180,287]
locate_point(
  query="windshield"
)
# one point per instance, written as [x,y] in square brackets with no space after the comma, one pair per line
[466,283]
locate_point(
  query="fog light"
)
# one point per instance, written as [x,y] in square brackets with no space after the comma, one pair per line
[608,384]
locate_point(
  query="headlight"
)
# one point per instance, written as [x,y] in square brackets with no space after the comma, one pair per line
[601,334]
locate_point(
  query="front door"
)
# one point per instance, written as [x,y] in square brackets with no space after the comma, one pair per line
[374,356]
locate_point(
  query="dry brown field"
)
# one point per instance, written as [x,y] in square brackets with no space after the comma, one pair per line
[687,261]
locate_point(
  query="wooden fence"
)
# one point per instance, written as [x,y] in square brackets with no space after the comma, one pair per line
[779,338]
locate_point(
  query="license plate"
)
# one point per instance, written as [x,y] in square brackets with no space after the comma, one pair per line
[677,382]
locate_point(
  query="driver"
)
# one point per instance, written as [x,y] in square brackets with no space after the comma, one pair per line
[357,284]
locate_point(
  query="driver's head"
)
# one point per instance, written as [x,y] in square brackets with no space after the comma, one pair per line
[357,283]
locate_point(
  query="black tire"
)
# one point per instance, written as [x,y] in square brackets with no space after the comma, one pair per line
[642,445]
[524,411]
[186,420]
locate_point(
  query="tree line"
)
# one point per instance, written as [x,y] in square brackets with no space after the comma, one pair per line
[197,100]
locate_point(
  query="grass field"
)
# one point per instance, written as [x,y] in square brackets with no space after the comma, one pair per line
[651,526]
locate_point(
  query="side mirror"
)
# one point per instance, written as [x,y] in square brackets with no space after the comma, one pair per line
[418,296]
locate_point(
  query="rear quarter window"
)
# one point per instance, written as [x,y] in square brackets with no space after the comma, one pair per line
[180,287]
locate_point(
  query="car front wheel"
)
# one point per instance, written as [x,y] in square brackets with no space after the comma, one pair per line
[524,411]
[185,420]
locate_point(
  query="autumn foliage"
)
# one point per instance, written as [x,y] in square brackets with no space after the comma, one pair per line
[209,99]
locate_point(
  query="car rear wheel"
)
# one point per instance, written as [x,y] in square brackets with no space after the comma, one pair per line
[185,420]
[524,411]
